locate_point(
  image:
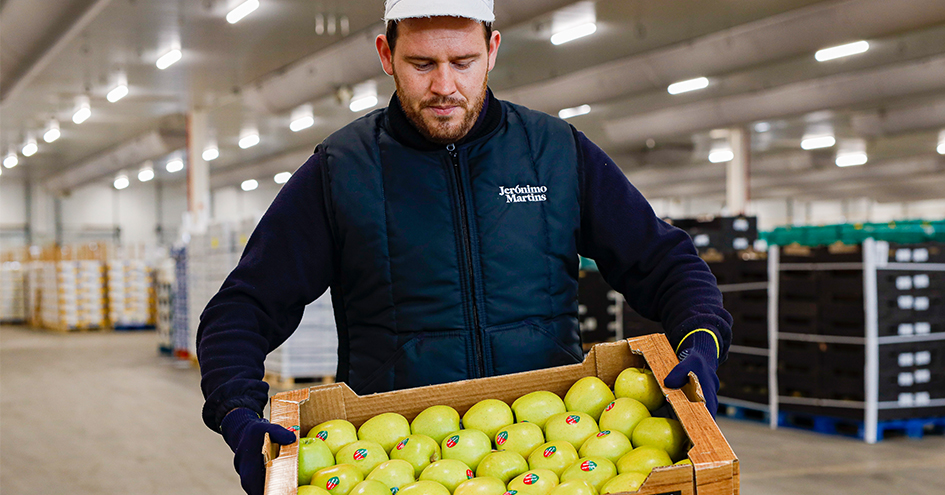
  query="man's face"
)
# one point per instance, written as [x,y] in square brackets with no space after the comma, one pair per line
[441,67]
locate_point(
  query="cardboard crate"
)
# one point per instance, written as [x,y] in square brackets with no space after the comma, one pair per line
[714,469]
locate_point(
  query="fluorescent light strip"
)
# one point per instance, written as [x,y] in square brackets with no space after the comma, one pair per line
[249,140]
[210,153]
[30,148]
[117,93]
[175,165]
[121,182]
[168,59]
[52,133]
[241,11]
[146,174]
[841,51]
[249,185]
[282,177]
[363,103]
[301,123]
[81,115]
[817,142]
[851,159]
[689,85]
[574,33]
[11,160]
[721,155]
[567,113]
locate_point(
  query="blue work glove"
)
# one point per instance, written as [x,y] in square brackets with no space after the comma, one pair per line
[698,352]
[243,430]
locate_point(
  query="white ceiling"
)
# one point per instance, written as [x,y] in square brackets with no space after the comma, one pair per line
[757,55]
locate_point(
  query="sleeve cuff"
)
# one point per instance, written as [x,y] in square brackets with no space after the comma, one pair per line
[700,339]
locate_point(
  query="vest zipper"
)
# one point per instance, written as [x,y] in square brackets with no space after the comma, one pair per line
[467,244]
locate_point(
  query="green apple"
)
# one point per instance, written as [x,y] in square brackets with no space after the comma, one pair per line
[504,465]
[418,450]
[683,462]
[436,422]
[312,490]
[662,433]
[573,426]
[639,384]
[573,487]
[364,454]
[533,482]
[519,437]
[336,433]
[447,472]
[643,459]
[488,416]
[370,487]
[469,446]
[338,479]
[553,456]
[424,487]
[395,473]
[627,482]
[589,395]
[623,415]
[481,485]
[594,470]
[537,407]
[386,429]
[314,455]
[607,444]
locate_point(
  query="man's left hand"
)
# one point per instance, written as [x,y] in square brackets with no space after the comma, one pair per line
[698,353]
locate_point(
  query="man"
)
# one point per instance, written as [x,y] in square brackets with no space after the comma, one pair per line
[448,226]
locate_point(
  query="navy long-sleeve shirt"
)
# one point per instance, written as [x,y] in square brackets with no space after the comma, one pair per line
[289,262]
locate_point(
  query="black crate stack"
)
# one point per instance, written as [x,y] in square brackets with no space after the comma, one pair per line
[724,235]
[861,332]
[598,309]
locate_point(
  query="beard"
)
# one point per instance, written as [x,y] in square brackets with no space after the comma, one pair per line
[442,129]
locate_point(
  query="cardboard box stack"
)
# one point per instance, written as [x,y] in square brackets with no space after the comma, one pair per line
[180,330]
[12,292]
[211,256]
[90,294]
[130,294]
[165,281]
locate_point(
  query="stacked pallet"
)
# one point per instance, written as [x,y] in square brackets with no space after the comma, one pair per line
[180,329]
[311,353]
[164,294]
[12,292]
[719,235]
[862,332]
[211,256]
[130,294]
[67,288]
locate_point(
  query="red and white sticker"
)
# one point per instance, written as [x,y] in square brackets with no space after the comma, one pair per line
[550,451]
[573,419]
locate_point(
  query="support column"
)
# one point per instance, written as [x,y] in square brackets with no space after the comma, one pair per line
[198,171]
[737,172]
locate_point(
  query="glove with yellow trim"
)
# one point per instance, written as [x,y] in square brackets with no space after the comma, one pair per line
[699,353]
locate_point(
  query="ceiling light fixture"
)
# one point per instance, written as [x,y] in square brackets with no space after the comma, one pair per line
[851,159]
[721,155]
[762,127]
[362,103]
[282,177]
[146,173]
[121,182]
[83,110]
[210,153]
[841,51]
[242,10]
[117,93]
[688,85]
[817,142]
[249,185]
[30,148]
[169,59]
[52,131]
[573,33]
[11,160]
[302,118]
[249,140]
[941,143]
[567,113]
[175,165]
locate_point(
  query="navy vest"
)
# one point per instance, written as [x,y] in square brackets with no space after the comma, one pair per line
[455,263]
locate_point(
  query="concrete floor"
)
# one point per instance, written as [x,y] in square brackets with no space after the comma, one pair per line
[102,413]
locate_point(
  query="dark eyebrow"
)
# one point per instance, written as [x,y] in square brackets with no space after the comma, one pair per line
[417,58]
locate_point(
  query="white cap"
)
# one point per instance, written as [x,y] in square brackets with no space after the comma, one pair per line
[479,10]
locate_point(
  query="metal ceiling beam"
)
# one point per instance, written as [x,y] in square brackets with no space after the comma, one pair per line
[748,45]
[132,153]
[832,92]
[16,84]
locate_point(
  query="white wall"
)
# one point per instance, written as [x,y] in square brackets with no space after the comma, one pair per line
[233,204]
[12,202]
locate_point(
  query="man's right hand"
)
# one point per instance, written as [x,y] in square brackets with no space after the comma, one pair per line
[244,431]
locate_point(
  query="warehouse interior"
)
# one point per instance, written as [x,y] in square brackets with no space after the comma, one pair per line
[801,143]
